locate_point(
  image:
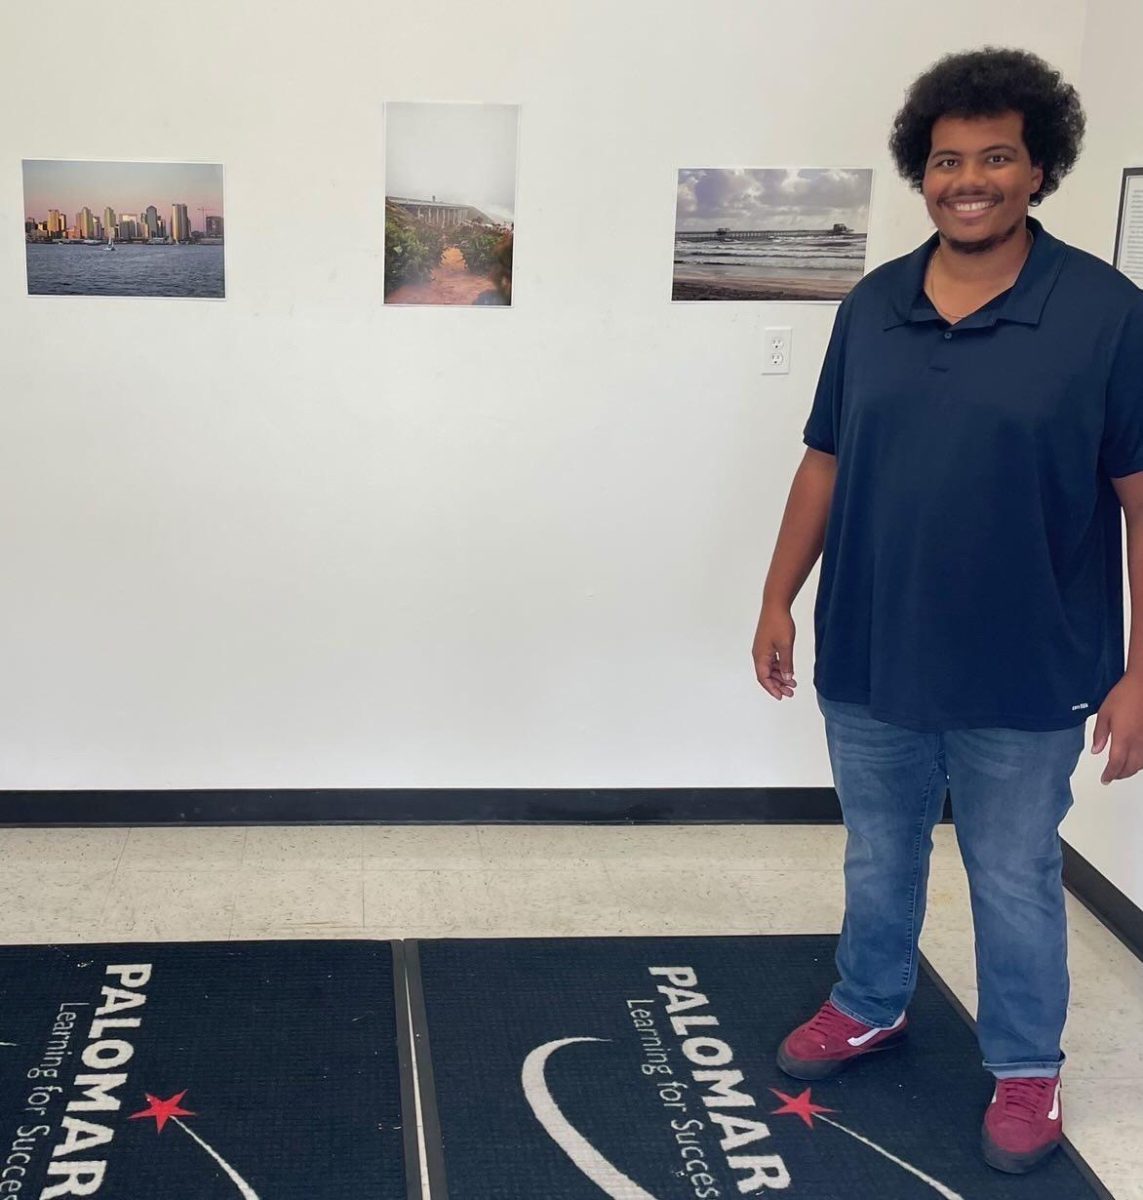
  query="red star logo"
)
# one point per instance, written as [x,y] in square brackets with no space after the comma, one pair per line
[802,1107]
[162,1110]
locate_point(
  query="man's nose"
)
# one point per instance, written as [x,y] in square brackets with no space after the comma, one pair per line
[971,178]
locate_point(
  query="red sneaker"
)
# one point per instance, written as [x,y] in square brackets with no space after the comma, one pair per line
[824,1045]
[1023,1124]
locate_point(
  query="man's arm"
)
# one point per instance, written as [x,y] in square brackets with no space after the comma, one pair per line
[1130,491]
[802,534]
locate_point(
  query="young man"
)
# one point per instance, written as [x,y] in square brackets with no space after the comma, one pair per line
[976,431]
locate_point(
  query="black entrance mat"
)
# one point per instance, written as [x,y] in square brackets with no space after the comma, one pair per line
[274,1070]
[551,1068]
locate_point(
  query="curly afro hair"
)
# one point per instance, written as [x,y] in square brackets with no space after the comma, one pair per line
[986,83]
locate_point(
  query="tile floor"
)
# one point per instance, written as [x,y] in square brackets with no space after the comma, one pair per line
[383,881]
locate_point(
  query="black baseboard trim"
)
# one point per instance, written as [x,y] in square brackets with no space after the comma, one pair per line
[1121,915]
[422,806]
[495,806]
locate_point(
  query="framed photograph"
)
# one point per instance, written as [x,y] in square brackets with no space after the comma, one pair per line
[1129,231]
[450,203]
[124,229]
[767,233]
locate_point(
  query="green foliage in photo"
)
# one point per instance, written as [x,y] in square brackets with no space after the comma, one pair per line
[412,249]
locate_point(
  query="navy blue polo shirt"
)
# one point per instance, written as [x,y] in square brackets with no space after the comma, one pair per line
[972,569]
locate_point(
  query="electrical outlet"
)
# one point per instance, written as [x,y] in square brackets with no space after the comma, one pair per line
[777,342]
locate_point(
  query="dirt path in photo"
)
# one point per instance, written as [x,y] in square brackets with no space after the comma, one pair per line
[451,283]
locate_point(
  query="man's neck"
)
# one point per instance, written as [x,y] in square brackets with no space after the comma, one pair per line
[984,267]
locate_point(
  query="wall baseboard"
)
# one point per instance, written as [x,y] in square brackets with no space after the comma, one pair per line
[1118,912]
[493,806]
[422,806]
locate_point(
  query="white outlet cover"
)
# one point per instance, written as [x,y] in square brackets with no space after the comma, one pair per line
[777,342]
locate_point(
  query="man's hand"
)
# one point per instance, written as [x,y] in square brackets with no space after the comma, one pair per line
[773,651]
[1120,717]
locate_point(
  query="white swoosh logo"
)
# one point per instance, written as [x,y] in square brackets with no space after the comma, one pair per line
[860,1041]
[569,1139]
[1055,1105]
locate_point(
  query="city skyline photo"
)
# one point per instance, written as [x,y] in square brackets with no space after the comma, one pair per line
[102,228]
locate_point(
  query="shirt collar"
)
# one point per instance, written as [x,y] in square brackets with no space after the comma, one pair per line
[1023,303]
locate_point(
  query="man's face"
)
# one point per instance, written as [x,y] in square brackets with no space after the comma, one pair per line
[979,179]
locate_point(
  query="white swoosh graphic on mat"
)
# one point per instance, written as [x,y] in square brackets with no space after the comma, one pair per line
[935,1184]
[569,1139]
[248,1193]
[609,1178]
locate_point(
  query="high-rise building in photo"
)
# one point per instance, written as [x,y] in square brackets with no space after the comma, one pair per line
[151,221]
[180,223]
[56,222]
[85,221]
[109,220]
[214,227]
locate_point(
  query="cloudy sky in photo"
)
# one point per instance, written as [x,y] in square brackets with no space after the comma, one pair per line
[773,198]
[459,153]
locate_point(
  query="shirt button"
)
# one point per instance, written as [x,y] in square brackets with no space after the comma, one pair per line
[948,335]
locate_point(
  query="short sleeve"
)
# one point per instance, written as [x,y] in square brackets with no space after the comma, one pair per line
[824,420]
[1121,450]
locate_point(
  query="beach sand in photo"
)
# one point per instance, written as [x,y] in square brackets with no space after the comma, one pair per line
[700,287]
[451,283]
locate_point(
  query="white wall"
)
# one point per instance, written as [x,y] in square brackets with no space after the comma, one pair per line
[1106,824]
[298,539]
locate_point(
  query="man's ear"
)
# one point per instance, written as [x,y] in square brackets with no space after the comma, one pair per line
[1037,179]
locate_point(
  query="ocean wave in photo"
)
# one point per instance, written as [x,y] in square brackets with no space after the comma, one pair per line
[785,251]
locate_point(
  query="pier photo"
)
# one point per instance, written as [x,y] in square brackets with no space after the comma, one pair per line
[770,233]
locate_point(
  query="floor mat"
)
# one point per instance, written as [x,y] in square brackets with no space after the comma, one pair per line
[643,1069]
[268,1070]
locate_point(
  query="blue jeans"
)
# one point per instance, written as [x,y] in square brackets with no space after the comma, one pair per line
[1010,791]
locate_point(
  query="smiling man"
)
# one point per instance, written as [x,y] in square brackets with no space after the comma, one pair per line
[976,435]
